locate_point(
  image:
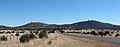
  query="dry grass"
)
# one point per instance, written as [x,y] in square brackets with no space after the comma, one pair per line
[58,40]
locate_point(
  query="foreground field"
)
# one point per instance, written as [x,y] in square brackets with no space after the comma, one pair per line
[58,40]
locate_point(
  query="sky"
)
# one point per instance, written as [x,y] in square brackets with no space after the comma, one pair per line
[20,12]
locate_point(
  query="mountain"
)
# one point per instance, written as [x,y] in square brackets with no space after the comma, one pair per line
[94,25]
[91,24]
[4,27]
[34,25]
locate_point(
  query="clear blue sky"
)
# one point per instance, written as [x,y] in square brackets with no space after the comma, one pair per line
[19,12]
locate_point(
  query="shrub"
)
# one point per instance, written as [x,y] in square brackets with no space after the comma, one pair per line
[16,34]
[104,34]
[31,36]
[13,32]
[43,34]
[21,32]
[117,35]
[3,38]
[110,35]
[112,32]
[36,33]
[100,33]
[62,31]
[1,32]
[107,32]
[52,31]
[49,42]
[78,32]
[94,33]
[24,38]
[8,32]
[86,33]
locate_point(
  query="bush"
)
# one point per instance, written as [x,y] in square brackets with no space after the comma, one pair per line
[31,36]
[3,38]
[43,34]
[107,32]
[117,35]
[102,34]
[13,32]
[36,33]
[78,32]
[16,34]
[21,32]
[94,33]
[24,38]
[1,32]
[112,32]
[86,33]
[62,31]
[110,35]
[52,31]
[49,42]
[8,32]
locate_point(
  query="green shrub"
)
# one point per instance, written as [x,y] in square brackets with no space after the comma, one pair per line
[94,33]
[112,32]
[24,38]
[36,33]
[21,32]
[49,42]
[62,31]
[52,31]
[8,32]
[1,32]
[31,36]
[43,34]
[3,38]
[13,32]
[16,34]
[104,34]
[117,35]
[110,35]
[107,32]
[100,33]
